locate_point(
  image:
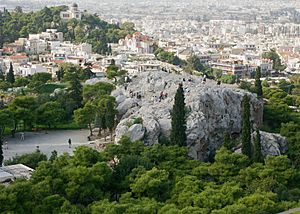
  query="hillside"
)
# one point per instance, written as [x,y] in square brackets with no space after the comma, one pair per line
[90,29]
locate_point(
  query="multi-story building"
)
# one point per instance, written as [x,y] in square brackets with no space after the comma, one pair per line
[72,13]
[234,67]
[138,43]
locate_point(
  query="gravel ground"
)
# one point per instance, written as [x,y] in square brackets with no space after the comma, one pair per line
[47,142]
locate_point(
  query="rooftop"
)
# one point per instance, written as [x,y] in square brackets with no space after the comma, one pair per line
[12,172]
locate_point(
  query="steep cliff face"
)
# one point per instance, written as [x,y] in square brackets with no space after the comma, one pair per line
[212,110]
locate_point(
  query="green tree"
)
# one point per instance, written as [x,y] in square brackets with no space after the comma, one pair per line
[103,113]
[5,121]
[257,154]
[178,131]
[152,183]
[50,114]
[291,130]
[32,160]
[273,55]
[258,86]
[60,74]
[41,77]
[228,78]
[75,89]
[96,91]
[194,63]
[24,110]
[246,127]
[21,81]
[10,76]
[86,116]
[110,115]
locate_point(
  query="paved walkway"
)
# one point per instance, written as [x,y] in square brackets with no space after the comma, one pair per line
[53,140]
[291,211]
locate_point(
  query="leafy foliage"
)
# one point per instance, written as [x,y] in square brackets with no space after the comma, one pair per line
[228,78]
[157,179]
[273,55]
[32,160]
[169,57]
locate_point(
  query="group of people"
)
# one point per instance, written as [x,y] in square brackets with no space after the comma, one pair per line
[161,96]
[137,94]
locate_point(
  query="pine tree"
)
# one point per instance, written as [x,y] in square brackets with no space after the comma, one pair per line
[110,115]
[246,128]
[178,132]
[257,155]
[75,90]
[258,86]
[10,77]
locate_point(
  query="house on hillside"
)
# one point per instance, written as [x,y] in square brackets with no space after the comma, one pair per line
[72,13]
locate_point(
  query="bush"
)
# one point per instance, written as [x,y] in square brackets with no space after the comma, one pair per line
[48,88]
[228,78]
[138,120]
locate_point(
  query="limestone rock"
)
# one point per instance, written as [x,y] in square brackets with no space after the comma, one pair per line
[136,132]
[124,106]
[212,109]
[272,144]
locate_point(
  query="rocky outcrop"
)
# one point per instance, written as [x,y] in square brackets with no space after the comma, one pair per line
[212,110]
[272,144]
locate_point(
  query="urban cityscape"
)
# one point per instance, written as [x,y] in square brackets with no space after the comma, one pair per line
[150,106]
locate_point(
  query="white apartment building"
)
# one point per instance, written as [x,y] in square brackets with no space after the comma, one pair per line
[36,46]
[68,50]
[30,69]
[49,35]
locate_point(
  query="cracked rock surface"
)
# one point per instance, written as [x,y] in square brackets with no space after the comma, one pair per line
[212,110]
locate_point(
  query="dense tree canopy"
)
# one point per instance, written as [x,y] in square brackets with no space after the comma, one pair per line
[169,57]
[157,179]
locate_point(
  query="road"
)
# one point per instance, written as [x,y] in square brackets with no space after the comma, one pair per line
[47,142]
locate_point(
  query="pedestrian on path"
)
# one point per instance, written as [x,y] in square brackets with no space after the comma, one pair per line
[70,142]
[22,136]
[6,145]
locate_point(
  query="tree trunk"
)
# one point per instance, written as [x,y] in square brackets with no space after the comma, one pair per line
[91,130]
